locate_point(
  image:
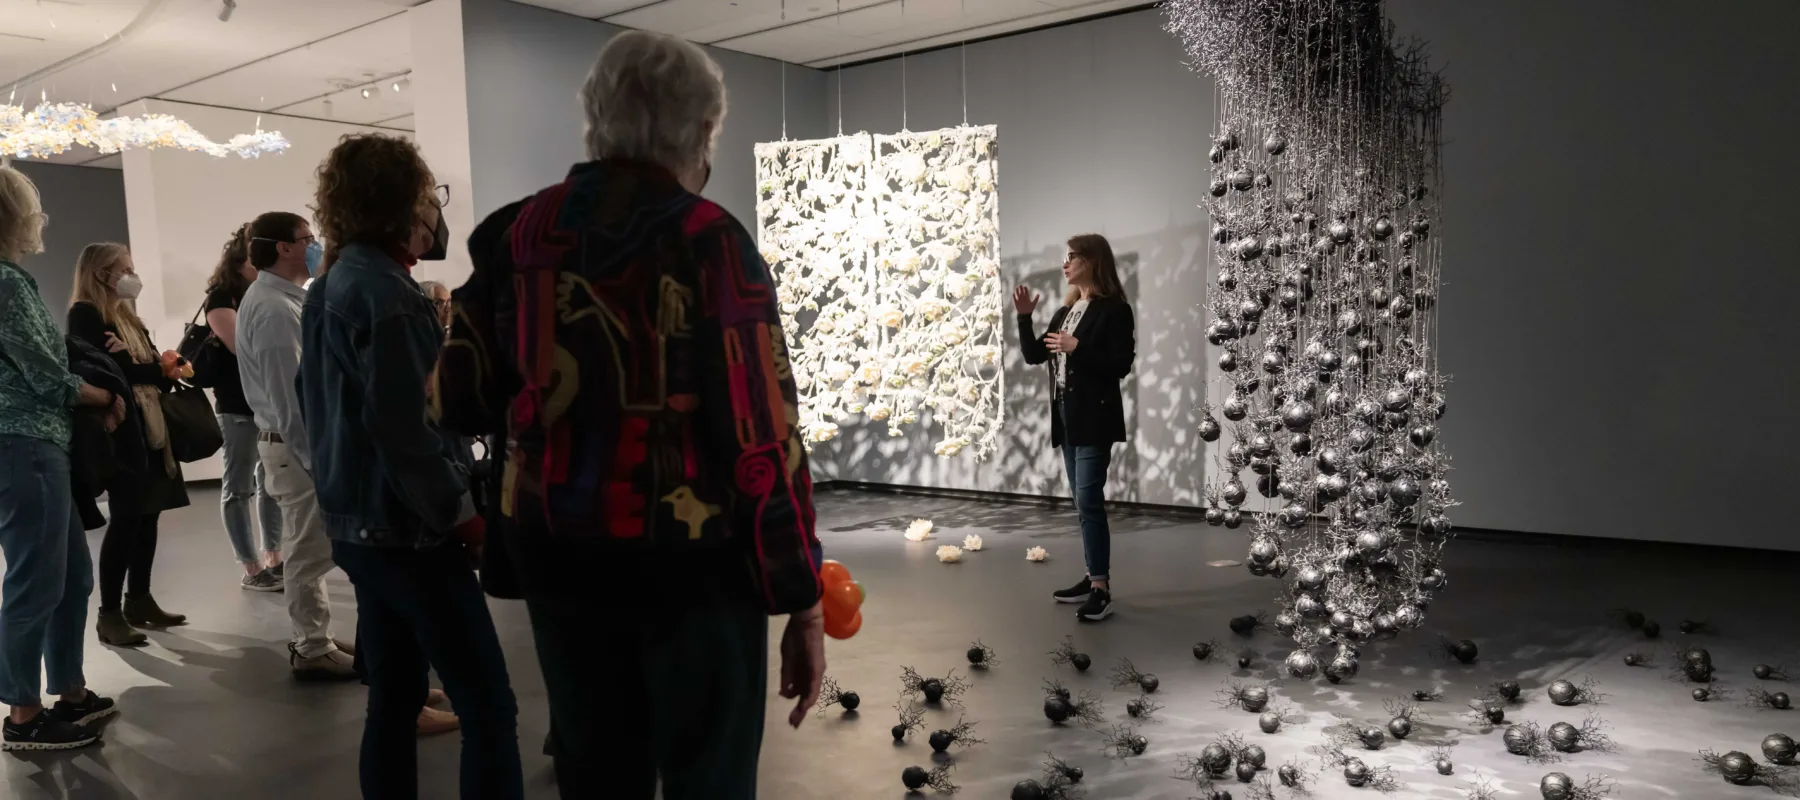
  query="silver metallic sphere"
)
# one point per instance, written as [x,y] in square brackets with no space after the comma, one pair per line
[1564,737]
[1240,179]
[1366,410]
[1403,491]
[1309,578]
[1275,144]
[1340,232]
[1297,415]
[1209,429]
[1396,399]
[1301,664]
[1382,228]
[1234,492]
[1557,786]
[1236,407]
[1409,617]
[1563,693]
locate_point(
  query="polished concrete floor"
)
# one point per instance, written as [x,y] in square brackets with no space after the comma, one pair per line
[209,710]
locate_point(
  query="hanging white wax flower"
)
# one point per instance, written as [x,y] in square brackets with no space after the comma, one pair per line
[919,530]
[972,542]
[949,553]
[1036,554]
[824,432]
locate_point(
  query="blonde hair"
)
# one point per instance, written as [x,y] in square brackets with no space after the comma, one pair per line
[653,97]
[21,215]
[93,269]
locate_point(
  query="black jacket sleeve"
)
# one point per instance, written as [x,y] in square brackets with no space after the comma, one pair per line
[1114,349]
[86,324]
[1031,343]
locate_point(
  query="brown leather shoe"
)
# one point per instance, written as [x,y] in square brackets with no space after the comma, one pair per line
[433,722]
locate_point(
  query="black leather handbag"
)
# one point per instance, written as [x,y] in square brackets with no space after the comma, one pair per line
[193,427]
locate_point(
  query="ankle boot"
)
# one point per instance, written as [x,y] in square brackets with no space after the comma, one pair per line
[114,630]
[141,609]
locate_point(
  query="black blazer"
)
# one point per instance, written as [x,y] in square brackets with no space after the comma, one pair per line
[1108,336]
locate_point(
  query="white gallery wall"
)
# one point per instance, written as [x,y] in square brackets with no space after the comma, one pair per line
[182,207]
[86,205]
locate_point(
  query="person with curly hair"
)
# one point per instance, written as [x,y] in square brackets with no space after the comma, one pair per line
[396,505]
[243,486]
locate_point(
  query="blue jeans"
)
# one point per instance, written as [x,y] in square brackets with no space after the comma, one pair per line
[49,573]
[243,484]
[418,610]
[1087,465]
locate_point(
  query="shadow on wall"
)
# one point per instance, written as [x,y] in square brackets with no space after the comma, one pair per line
[1162,461]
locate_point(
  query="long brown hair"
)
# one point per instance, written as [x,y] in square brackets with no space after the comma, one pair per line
[229,274]
[94,284]
[1103,272]
[373,188]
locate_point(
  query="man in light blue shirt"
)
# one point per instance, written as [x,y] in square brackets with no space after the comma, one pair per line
[285,253]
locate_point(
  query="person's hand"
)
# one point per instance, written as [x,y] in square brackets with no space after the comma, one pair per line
[803,661]
[1061,342]
[115,416]
[1024,300]
[114,344]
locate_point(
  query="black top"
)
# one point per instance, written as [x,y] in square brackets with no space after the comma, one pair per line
[228,388]
[1093,414]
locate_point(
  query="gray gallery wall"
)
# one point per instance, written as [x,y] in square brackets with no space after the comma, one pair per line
[1619,268]
[1618,214]
[86,205]
[525,66]
[1097,124]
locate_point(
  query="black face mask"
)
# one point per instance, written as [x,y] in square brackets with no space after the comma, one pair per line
[440,242]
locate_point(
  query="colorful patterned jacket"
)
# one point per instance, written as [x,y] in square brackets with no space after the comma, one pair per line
[623,334]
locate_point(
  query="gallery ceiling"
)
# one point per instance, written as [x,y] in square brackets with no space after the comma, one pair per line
[310,58]
[343,59]
[826,33]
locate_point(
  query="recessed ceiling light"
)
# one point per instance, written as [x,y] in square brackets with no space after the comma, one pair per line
[370,92]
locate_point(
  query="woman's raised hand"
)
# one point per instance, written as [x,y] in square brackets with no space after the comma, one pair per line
[1024,300]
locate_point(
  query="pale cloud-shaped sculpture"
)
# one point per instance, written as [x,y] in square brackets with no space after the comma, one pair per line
[886,254]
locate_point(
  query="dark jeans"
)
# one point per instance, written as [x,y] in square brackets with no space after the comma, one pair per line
[127,552]
[1087,480]
[49,574]
[418,610]
[657,692]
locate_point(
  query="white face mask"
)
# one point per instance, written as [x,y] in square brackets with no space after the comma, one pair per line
[129,287]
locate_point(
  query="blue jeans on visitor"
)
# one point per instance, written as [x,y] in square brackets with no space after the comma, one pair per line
[242,485]
[49,573]
[418,610]
[1087,465]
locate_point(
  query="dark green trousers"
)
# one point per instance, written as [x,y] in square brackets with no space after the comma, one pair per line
[638,695]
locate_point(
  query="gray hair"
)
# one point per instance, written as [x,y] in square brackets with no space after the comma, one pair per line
[654,97]
[21,215]
[429,288]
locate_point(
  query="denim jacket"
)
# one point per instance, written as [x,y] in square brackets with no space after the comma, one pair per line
[369,341]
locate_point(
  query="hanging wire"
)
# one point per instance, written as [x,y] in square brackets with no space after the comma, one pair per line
[784,101]
[840,104]
[903,86]
[965,82]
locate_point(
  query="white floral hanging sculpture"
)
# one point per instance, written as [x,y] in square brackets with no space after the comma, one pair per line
[886,257]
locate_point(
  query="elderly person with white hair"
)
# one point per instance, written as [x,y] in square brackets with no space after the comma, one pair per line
[620,333]
[49,569]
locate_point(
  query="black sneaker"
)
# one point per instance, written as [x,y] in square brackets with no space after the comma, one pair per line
[45,732]
[1074,594]
[1097,607]
[264,581]
[86,712]
[279,571]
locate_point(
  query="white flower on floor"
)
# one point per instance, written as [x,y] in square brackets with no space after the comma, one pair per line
[972,542]
[949,554]
[1036,554]
[919,531]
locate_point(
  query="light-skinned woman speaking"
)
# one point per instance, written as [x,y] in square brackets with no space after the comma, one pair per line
[1090,346]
